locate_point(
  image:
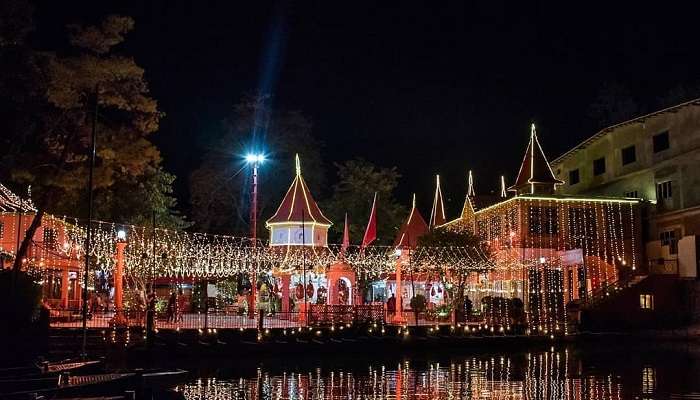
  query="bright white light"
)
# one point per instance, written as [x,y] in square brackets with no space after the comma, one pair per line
[255,158]
[397,252]
[121,234]
[542,260]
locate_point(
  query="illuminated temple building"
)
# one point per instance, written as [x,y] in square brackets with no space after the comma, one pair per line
[298,220]
[299,230]
[555,248]
[51,253]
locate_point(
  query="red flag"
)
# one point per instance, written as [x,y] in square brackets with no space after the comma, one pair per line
[371,231]
[346,236]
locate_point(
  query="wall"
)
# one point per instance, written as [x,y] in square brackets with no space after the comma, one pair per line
[674,301]
[678,162]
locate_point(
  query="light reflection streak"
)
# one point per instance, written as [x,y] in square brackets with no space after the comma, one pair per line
[545,375]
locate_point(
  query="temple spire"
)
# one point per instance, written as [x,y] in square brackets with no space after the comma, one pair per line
[414,227]
[470,189]
[535,175]
[437,215]
[298,205]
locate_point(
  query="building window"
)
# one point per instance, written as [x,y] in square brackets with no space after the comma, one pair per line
[574,177]
[512,219]
[668,238]
[633,194]
[495,225]
[481,229]
[661,142]
[664,190]
[629,155]
[50,238]
[543,220]
[582,225]
[646,301]
[599,166]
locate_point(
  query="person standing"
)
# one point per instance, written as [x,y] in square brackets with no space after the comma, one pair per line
[150,317]
[391,305]
[180,306]
[170,311]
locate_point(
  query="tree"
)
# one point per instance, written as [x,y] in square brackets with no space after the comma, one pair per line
[220,189]
[357,182]
[462,238]
[677,95]
[50,147]
[613,105]
[454,238]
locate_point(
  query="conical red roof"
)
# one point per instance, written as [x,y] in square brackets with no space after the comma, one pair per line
[414,227]
[437,215]
[298,205]
[535,168]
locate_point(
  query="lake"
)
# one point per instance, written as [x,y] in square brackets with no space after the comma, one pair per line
[605,370]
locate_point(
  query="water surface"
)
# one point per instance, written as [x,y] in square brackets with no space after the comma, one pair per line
[601,371]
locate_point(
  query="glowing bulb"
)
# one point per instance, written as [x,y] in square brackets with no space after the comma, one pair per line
[254,158]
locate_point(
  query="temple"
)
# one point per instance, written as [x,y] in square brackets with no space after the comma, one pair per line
[300,230]
[549,250]
[532,257]
[298,219]
[51,254]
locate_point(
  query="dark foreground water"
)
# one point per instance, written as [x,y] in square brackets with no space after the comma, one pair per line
[593,371]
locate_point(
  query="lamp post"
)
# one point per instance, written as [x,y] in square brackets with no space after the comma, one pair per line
[119,319]
[254,160]
[88,236]
[398,315]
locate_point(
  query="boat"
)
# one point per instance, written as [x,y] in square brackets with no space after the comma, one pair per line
[47,369]
[160,379]
[64,385]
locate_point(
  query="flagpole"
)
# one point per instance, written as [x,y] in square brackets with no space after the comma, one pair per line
[303,265]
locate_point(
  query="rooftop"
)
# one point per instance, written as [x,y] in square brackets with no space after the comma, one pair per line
[10,202]
[637,120]
[298,205]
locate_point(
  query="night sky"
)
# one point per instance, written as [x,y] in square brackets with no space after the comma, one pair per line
[432,88]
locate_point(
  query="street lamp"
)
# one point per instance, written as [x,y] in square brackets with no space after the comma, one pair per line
[254,160]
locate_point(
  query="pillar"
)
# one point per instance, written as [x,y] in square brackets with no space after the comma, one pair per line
[332,289]
[252,295]
[64,288]
[286,281]
[118,285]
[398,317]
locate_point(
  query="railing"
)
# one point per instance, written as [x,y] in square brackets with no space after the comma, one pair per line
[102,319]
[317,315]
[608,291]
[322,314]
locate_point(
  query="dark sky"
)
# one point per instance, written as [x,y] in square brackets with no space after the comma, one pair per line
[440,87]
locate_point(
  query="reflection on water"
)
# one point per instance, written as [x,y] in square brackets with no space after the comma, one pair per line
[561,374]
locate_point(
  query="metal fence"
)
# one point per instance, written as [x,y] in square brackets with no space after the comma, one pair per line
[317,315]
